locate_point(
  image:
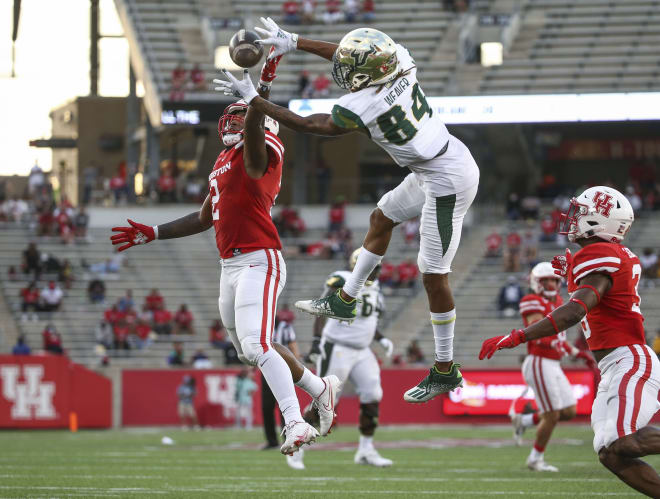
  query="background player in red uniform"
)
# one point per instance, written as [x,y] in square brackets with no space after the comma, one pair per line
[603,277]
[541,369]
[243,186]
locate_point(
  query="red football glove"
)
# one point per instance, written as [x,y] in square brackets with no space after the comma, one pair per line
[563,264]
[591,363]
[132,236]
[492,345]
[269,68]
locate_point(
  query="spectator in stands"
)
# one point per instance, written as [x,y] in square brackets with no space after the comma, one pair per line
[66,274]
[176,357]
[166,187]
[351,10]
[186,394]
[51,297]
[633,197]
[323,178]
[80,223]
[406,274]
[121,331]
[45,221]
[36,180]
[178,82]
[143,333]
[304,85]
[183,321]
[291,12]
[218,335]
[411,231]
[321,86]
[530,207]
[104,335]
[548,230]
[493,245]
[193,189]
[332,12]
[21,347]
[289,222]
[386,275]
[649,261]
[509,297]
[513,206]
[162,321]
[197,79]
[32,260]
[30,301]
[154,300]
[126,302]
[96,291]
[530,247]
[52,340]
[201,361]
[12,275]
[368,9]
[119,188]
[285,314]
[64,224]
[113,315]
[308,7]
[337,214]
[245,387]
[512,253]
[414,353]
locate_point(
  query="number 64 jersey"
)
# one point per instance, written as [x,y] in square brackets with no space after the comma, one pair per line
[360,333]
[617,319]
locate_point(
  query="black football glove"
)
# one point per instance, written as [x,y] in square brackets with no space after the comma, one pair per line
[315,351]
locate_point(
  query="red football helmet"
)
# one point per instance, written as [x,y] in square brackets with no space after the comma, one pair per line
[234,114]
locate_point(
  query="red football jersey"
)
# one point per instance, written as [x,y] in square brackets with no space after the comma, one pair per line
[548,347]
[617,320]
[241,205]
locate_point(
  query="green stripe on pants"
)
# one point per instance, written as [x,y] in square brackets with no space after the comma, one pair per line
[326,361]
[444,213]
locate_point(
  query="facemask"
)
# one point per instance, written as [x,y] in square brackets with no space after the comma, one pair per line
[230,139]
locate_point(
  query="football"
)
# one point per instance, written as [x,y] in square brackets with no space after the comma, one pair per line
[242,49]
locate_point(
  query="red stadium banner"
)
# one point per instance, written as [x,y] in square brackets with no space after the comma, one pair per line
[491,393]
[42,391]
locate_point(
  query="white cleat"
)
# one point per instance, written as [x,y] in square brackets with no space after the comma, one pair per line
[296,461]
[325,403]
[518,428]
[297,433]
[372,458]
[540,465]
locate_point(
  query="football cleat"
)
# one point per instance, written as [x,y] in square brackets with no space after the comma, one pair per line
[297,433]
[372,458]
[296,460]
[434,384]
[331,306]
[540,465]
[518,428]
[325,403]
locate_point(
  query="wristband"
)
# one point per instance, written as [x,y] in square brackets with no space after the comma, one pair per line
[589,286]
[155,228]
[294,39]
[554,324]
[580,302]
[265,84]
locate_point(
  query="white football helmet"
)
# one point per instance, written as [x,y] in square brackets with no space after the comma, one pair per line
[271,125]
[599,211]
[540,271]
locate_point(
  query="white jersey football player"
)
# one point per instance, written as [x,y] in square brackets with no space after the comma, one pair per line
[342,349]
[386,103]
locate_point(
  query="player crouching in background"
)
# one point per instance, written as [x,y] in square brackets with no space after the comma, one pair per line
[603,278]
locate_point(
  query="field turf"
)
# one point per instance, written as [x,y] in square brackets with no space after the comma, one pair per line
[428,462]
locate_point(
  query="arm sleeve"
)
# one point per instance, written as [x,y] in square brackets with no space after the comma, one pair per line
[600,257]
[344,117]
[275,150]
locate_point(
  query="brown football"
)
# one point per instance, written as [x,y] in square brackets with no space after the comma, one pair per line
[242,49]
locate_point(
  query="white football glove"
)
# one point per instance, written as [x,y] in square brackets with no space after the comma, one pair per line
[282,41]
[243,89]
[387,345]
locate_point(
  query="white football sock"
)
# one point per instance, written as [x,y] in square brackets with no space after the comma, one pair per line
[527,420]
[278,376]
[365,265]
[366,442]
[535,455]
[443,334]
[311,383]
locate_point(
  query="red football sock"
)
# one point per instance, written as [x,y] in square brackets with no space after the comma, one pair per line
[538,448]
[536,418]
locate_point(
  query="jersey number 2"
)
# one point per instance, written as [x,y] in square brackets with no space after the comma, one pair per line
[636,273]
[214,200]
[396,126]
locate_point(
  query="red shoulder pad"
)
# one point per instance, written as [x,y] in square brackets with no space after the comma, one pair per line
[275,147]
[598,257]
[530,304]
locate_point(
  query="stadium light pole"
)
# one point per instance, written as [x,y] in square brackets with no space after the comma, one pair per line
[94,47]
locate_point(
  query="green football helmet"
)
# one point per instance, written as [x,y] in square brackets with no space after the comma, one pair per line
[364,57]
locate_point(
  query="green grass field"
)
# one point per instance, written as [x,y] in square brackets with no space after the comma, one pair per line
[430,462]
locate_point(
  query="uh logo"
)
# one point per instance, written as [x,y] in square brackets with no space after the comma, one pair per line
[221,390]
[32,398]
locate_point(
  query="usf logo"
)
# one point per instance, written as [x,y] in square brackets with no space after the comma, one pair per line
[360,56]
[32,398]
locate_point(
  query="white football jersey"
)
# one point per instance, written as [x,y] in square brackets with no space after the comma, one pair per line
[360,333]
[396,115]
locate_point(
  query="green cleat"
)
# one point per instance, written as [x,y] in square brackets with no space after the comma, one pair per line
[434,384]
[332,306]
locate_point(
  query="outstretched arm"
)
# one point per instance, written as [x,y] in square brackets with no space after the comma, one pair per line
[317,124]
[283,41]
[317,47]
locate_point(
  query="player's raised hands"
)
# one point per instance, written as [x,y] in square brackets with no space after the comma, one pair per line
[562,263]
[132,236]
[268,70]
[492,345]
[282,41]
[243,89]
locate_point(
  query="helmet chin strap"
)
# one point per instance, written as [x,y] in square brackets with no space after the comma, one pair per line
[230,139]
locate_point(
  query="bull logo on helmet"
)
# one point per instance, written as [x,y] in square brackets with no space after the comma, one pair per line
[603,203]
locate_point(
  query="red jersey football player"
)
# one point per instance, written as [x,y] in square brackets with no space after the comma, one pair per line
[603,277]
[243,186]
[541,369]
